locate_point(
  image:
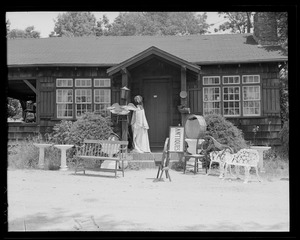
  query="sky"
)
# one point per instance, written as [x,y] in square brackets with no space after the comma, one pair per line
[43,22]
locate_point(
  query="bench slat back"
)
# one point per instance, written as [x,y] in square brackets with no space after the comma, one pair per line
[104,148]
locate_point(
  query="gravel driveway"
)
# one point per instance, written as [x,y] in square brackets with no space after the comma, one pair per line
[42,200]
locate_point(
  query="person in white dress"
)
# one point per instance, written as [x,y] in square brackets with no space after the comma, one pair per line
[139,126]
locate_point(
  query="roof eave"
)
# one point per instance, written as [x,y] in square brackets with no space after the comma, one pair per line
[152,51]
[243,61]
[62,65]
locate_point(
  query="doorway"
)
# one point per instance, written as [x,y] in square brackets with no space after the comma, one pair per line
[157,103]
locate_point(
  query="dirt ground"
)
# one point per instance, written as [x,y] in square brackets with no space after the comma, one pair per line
[42,200]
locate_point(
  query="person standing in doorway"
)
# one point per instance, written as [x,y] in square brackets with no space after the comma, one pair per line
[139,126]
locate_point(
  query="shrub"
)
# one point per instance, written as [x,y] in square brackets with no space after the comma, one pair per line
[225,132]
[24,155]
[61,132]
[89,126]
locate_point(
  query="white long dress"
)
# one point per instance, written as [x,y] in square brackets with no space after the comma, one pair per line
[140,128]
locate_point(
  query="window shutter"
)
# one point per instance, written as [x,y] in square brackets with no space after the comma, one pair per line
[271,98]
[47,97]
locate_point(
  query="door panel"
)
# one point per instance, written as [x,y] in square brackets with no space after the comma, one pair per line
[157,109]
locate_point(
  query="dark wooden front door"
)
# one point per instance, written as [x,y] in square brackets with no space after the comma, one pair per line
[157,104]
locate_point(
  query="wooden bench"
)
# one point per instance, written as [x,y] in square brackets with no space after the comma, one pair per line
[103,150]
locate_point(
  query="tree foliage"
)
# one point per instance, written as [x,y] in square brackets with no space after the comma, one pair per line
[159,23]
[29,32]
[74,24]
[237,22]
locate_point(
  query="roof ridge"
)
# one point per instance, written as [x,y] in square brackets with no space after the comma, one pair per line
[134,36]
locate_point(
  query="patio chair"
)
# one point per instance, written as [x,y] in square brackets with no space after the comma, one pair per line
[163,165]
[193,150]
[218,153]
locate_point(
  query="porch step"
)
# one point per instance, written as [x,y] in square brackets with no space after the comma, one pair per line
[150,156]
[146,160]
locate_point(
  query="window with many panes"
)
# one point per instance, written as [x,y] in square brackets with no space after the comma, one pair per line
[102,95]
[211,100]
[232,98]
[83,100]
[251,95]
[76,96]
[231,101]
[64,97]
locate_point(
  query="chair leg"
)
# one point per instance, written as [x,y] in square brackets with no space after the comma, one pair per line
[209,169]
[158,172]
[169,176]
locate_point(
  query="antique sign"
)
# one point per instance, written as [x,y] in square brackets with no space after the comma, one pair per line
[176,139]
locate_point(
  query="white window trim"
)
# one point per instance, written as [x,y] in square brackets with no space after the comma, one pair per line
[254,75]
[214,84]
[95,79]
[76,85]
[57,79]
[231,76]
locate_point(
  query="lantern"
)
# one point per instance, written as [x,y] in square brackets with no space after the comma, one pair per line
[124,92]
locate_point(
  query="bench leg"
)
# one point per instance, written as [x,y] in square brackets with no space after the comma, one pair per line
[116,169]
[247,174]
[123,168]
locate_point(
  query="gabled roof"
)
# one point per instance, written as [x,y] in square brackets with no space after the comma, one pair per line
[112,50]
[153,51]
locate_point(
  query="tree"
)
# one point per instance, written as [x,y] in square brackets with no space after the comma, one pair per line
[29,32]
[159,23]
[74,24]
[103,26]
[238,22]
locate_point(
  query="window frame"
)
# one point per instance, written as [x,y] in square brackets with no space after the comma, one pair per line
[241,84]
[75,86]
[253,100]
[64,103]
[213,101]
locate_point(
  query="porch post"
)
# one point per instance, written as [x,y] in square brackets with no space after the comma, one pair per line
[183,101]
[123,102]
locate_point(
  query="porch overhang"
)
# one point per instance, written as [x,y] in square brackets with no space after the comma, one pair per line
[156,52]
